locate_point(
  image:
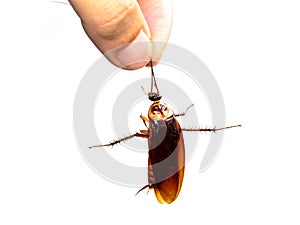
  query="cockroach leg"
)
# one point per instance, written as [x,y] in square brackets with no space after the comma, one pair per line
[144,132]
[182,114]
[209,129]
[143,188]
[143,135]
[145,120]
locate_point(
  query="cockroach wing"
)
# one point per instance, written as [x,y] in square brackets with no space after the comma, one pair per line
[166,159]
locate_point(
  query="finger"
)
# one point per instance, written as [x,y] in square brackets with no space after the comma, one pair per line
[113,24]
[159,16]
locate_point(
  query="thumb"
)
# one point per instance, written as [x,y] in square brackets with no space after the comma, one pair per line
[113,24]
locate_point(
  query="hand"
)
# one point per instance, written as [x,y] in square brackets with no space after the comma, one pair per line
[115,23]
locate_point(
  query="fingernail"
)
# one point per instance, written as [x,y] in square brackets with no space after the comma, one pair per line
[137,54]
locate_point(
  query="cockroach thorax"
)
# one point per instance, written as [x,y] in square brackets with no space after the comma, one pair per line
[159,111]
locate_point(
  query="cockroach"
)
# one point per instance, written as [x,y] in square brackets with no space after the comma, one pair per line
[166,155]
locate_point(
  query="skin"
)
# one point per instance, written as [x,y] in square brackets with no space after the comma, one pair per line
[115,26]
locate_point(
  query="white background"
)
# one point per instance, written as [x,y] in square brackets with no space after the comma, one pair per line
[253,50]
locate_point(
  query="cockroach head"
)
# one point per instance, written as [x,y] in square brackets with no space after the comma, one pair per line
[154,97]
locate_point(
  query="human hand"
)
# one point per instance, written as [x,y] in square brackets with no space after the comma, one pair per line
[115,23]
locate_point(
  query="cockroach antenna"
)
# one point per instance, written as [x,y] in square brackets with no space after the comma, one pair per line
[61,2]
[153,96]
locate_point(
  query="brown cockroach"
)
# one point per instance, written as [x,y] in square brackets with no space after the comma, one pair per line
[166,156]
